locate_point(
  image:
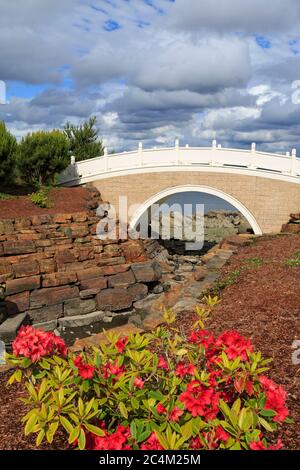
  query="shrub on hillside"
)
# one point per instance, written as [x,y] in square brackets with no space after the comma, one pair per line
[155,391]
[8,147]
[41,156]
[41,198]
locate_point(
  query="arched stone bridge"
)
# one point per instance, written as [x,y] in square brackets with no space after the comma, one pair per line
[264,187]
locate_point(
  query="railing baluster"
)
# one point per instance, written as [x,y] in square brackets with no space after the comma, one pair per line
[293,162]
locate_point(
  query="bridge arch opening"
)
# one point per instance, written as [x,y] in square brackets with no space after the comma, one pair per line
[169,194]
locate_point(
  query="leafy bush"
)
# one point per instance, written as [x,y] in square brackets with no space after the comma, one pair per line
[84,140]
[41,155]
[41,198]
[156,391]
[8,146]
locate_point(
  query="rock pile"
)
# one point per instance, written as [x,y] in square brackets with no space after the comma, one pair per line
[56,273]
[293,226]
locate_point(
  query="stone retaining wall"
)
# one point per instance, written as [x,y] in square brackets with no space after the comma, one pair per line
[53,268]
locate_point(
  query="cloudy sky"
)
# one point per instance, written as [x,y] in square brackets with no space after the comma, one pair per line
[154,70]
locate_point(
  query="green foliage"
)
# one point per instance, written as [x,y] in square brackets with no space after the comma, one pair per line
[41,155]
[294,261]
[84,140]
[204,313]
[254,262]
[226,281]
[233,276]
[41,198]
[8,147]
[5,196]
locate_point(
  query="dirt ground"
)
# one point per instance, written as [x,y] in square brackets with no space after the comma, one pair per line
[263,304]
[64,200]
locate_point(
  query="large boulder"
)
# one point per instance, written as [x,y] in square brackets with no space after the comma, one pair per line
[147,272]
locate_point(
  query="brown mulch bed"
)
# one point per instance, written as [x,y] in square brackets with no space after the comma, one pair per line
[264,305]
[64,200]
[11,429]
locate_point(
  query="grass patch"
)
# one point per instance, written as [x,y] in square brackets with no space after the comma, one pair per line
[294,261]
[5,196]
[254,262]
[232,277]
[228,280]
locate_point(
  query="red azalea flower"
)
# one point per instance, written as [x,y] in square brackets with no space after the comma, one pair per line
[114,441]
[161,409]
[138,382]
[175,414]
[84,370]
[112,369]
[276,398]
[78,361]
[152,443]
[200,401]
[260,446]
[121,344]
[34,344]
[234,345]
[202,337]
[221,435]
[182,370]
[249,388]
[196,443]
[162,363]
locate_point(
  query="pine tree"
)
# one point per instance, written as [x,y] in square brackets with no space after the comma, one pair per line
[42,155]
[8,146]
[84,140]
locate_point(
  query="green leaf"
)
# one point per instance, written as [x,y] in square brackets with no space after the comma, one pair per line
[42,389]
[157,395]
[80,407]
[236,446]
[123,410]
[40,437]
[81,440]
[265,424]
[162,440]
[30,424]
[181,352]
[94,429]
[135,403]
[268,413]
[74,434]
[187,430]
[66,424]
[236,406]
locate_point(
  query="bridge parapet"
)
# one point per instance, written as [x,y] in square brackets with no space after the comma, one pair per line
[177,158]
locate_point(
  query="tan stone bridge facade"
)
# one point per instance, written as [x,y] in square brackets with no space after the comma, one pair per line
[264,187]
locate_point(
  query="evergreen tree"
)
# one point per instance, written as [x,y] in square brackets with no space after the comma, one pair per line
[8,147]
[84,140]
[42,155]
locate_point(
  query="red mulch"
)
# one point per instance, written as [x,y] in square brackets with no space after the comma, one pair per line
[264,305]
[65,200]
[11,429]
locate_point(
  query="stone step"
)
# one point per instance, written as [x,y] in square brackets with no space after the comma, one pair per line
[9,328]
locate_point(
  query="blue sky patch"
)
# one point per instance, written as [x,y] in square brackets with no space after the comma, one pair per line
[263,42]
[111,25]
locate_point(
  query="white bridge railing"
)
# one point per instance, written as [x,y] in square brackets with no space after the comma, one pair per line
[182,158]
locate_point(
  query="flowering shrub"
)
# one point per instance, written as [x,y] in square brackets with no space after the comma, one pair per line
[157,391]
